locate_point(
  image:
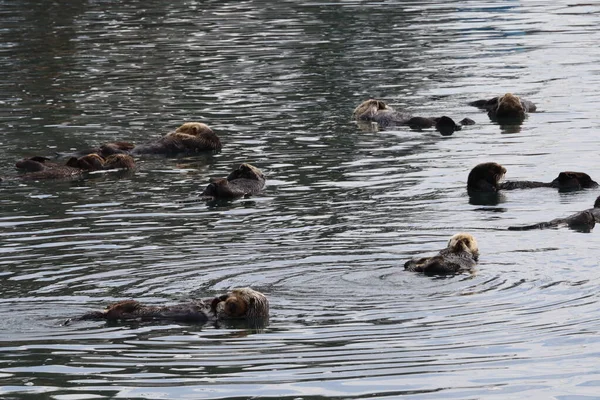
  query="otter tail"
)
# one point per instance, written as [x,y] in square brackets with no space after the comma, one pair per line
[541,225]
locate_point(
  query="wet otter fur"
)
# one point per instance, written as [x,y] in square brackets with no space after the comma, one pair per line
[507,107]
[460,256]
[189,138]
[40,168]
[487,177]
[246,180]
[582,221]
[242,303]
[373,110]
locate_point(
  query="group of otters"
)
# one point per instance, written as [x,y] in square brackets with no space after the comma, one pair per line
[460,255]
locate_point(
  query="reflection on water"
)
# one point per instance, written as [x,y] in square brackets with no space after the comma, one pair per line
[343,209]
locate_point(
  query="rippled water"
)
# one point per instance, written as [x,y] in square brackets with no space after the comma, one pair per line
[342,211]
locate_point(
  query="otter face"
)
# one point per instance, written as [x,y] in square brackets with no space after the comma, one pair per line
[246,171]
[569,180]
[509,106]
[367,109]
[241,303]
[91,162]
[119,161]
[485,177]
[194,129]
[464,242]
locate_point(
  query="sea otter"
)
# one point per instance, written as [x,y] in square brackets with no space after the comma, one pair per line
[487,177]
[40,168]
[189,138]
[583,221]
[246,180]
[373,110]
[507,107]
[460,256]
[243,303]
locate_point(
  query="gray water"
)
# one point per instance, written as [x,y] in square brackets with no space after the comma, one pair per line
[343,209]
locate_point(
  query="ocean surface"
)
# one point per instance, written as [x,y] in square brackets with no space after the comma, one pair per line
[343,209]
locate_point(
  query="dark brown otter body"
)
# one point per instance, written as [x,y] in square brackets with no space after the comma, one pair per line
[378,111]
[189,138]
[460,256]
[39,168]
[246,180]
[584,220]
[507,107]
[243,303]
[486,177]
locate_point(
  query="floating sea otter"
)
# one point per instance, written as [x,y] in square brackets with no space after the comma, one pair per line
[40,168]
[246,180]
[189,138]
[505,108]
[378,111]
[243,303]
[487,177]
[582,221]
[460,256]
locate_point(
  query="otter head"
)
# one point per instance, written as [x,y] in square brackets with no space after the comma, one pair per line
[194,129]
[246,171]
[241,303]
[464,242]
[367,109]
[90,162]
[509,106]
[597,202]
[119,161]
[570,180]
[485,177]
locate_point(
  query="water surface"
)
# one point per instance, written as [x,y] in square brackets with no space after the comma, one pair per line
[344,208]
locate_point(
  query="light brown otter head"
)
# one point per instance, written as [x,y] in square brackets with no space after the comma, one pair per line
[246,171]
[367,109]
[119,161]
[464,242]
[509,106]
[571,180]
[90,162]
[241,303]
[194,129]
[485,177]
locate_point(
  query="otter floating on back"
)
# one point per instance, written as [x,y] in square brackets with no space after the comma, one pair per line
[487,177]
[505,108]
[243,303]
[246,180]
[189,138]
[373,110]
[460,256]
[582,221]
